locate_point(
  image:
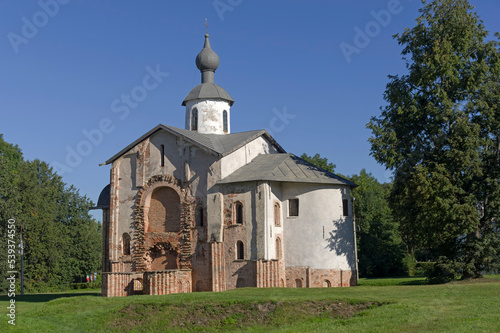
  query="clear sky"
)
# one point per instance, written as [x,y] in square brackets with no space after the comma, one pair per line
[74,69]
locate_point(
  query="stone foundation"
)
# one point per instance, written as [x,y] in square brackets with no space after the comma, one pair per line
[146,283]
[305,277]
[167,282]
[119,284]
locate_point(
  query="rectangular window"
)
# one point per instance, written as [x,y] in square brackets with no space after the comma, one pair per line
[345,206]
[293,207]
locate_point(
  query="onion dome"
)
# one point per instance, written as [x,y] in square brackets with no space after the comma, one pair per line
[207,62]
[207,59]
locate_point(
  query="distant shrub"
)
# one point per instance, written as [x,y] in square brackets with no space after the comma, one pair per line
[409,264]
[85,285]
[423,268]
[443,271]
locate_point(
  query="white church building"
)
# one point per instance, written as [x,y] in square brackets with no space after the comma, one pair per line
[204,209]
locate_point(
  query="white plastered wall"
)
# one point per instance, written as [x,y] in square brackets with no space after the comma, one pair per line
[210,116]
[320,237]
[245,155]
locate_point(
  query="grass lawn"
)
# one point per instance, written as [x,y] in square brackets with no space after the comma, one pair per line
[377,305]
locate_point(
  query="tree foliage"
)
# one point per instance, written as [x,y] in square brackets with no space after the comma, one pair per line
[319,161]
[440,133]
[380,249]
[62,242]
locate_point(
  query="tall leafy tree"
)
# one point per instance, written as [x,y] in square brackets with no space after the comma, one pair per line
[11,161]
[380,249]
[439,132]
[62,240]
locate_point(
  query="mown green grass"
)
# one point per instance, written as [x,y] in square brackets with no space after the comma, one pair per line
[408,306]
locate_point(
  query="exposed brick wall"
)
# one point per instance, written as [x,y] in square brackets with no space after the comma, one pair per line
[167,282]
[218,266]
[121,266]
[151,283]
[162,256]
[269,273]
[318,278]
[321,278]
[164,211]
[296,273]
[118,284]
[201,260]
[146,256]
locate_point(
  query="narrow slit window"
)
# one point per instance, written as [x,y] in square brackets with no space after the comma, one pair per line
[240,250]
[224,121]
[194,119]
[345,207]
[238,210]
[199,217]
[293,209]
[162,155]
[126,244]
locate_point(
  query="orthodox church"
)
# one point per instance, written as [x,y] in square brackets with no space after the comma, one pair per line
[204,209]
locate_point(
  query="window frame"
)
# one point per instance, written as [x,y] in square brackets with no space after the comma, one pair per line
[345,207]
[240,250]
[239,217]
[126,244]
[296,214]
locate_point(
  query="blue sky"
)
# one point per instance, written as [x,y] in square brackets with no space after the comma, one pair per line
[67,65]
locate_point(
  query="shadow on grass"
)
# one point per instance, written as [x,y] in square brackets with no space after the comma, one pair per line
[393,281]
[413,283]
[48,297]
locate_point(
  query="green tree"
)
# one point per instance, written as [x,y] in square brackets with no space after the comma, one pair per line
[440,133]
[63,242]
[319,161]
[11,160]
[380,249]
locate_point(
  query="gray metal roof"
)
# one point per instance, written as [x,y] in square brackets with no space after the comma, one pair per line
[283,168]
[217,144]
[208,91]
[104,198]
